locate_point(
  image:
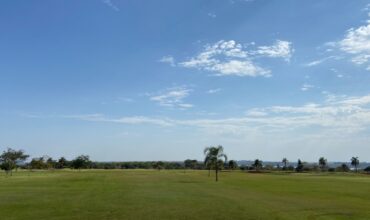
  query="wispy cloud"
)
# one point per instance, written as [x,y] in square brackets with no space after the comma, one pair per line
[236,1]
[306,87]
[110,4]
[213,91]
[337,113]
[172,97]
[212,15]
[280,49]
[256,113]
[226,58]
[123,99]
[338,74]
[319,61]
[168,59]
[133,120]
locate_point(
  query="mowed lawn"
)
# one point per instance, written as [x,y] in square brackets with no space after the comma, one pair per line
[175,194]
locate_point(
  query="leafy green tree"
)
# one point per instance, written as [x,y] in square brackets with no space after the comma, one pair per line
[7,166]
[191,164]
[80,162]
[322,163]
[232,164]
[342,168]
[215,158]
[257,164]
[355,162]
[10,158]
[285,162]
[50,163]
[37,163]
[61,163]
[158,165]
[300,166]
[367,169]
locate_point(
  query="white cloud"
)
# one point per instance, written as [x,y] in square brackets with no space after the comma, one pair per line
[306,87]
[123,99]
[347,115]
[226,58]
[239,68]
[213,91]
[256,113]
[110,4]
[281,49]
[134,120]
[173,97]
[185,105]
[141,120]
[361,59]
[341,115]
[212,15]
[356,41]
[315,62]
[357,44]
[168,59]
[319,61]
[356,101]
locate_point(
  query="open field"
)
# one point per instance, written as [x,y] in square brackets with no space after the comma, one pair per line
[175,194]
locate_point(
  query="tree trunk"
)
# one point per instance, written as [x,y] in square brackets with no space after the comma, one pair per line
[216,174]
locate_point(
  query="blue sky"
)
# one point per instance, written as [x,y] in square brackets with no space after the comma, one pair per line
[160,80]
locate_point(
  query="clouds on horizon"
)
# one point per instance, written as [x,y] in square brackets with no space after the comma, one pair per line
[337,114]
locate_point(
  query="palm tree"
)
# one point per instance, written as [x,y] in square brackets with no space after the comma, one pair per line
[355,162]
[285,162]
[322,163]
[209,164]
[214,158]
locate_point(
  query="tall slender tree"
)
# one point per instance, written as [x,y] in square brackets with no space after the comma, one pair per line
[285,162]
[355,162]
[300,166]
[215,158]
[322,163]
[209,165]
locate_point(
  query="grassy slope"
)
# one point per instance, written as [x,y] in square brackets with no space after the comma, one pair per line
[140,194]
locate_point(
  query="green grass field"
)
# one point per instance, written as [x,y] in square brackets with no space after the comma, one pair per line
[175,194]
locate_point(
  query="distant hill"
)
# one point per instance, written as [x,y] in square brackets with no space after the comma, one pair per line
[275,163]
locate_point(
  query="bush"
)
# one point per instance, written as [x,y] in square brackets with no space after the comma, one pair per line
[367,169]
[342,168]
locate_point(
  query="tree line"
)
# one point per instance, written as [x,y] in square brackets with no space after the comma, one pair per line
[214,159]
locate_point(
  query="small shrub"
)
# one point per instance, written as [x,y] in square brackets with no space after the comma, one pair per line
[367,169]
